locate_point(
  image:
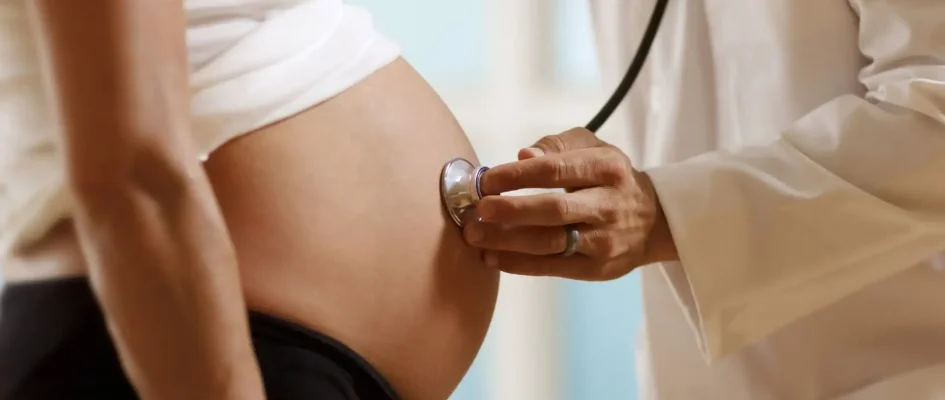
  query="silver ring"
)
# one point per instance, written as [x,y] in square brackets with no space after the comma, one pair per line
[574,238]
[477,178]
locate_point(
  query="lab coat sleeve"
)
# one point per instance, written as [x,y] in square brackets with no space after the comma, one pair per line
[851,194]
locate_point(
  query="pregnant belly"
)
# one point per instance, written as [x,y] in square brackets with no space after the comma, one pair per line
[336,218]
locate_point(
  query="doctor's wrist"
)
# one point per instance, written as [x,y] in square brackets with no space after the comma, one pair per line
[659,246]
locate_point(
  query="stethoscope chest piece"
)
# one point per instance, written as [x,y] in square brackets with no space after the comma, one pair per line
[459,189]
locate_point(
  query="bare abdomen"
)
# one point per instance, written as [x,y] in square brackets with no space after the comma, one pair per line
[336,218]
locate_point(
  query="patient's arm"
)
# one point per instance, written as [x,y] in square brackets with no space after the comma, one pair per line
[157,250]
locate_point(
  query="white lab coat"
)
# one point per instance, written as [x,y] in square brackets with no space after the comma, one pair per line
[811,221]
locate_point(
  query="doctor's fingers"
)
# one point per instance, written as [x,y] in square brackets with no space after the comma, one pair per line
[591,206]
[572,139]
[536,240]
[576,169]
[542,240]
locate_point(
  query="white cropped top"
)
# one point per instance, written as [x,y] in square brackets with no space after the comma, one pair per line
[252,62]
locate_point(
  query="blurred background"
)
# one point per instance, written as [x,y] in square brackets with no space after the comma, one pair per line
[513,71]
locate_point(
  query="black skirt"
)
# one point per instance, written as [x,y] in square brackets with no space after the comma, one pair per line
[54,345]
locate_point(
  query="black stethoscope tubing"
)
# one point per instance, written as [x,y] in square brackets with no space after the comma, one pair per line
[646,43]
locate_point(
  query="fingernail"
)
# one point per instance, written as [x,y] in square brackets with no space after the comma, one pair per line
[531,152]
[474,233]
[491,258]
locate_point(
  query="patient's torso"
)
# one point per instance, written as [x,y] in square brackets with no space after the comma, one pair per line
[333,205]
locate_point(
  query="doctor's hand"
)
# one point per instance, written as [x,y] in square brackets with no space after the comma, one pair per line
[613,207]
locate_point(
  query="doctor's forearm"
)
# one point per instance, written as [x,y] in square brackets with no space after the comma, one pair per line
[755,228]
[848,196]
[159,258]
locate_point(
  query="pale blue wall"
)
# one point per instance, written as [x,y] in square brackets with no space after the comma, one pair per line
[599,327]
[441,38]
[575,58]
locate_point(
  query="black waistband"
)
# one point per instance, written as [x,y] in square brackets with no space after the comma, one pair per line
[368,382]
[53,337]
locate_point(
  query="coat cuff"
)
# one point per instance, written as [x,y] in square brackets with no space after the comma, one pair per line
[707,228]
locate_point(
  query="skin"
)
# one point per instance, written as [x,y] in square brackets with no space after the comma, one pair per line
[614,207]
[152,238]
[338,226]
[330,218]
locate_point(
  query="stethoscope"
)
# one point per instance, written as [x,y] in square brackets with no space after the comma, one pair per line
[459,180]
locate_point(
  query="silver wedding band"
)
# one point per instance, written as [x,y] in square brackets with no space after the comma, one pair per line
[573,237]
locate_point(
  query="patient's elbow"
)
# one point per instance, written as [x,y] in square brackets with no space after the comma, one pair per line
[149,173]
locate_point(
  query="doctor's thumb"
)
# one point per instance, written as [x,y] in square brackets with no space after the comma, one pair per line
[572,139]
[530,152]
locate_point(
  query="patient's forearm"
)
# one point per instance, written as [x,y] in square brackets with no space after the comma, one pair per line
[166,279]
[158,253]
